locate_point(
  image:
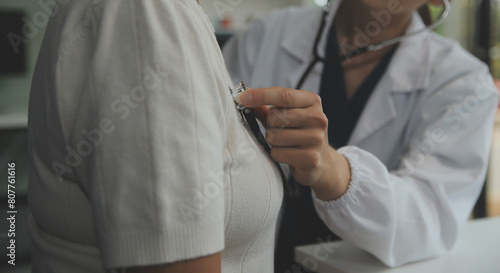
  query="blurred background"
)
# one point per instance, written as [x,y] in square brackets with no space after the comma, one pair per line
[473,23]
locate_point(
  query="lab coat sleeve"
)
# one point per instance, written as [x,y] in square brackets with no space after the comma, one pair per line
[417,211]
[156,115]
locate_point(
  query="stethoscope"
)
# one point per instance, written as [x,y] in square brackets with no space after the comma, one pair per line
[361,50]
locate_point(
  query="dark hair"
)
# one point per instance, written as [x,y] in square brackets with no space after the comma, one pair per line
[425,13]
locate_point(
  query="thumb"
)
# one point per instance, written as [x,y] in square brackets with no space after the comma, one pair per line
[261,114]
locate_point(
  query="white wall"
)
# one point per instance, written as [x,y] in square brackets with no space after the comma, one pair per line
[14,90]
[241,11]
[494,170]
[460,23]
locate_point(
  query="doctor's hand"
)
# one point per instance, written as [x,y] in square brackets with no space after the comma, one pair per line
[297,128]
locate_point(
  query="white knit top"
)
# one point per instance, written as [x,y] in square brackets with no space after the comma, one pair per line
[138,155]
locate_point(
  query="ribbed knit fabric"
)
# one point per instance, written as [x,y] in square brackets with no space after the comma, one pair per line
[138,154]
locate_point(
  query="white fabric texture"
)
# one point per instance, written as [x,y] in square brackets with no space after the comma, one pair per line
[138,155]
[419,151]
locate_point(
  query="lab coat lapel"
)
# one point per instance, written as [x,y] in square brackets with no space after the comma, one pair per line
[300,42]
[409,71]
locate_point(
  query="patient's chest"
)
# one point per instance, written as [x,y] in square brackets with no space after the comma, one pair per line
[253,196]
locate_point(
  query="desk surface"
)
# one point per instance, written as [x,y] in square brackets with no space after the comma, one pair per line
[16,120]
[477,250]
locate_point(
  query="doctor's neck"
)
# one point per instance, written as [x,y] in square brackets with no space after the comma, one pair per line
[363,22]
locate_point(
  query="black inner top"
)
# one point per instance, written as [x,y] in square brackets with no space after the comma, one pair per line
[300,224]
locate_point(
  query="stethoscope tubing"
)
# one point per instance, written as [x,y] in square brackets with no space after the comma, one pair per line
[358,51]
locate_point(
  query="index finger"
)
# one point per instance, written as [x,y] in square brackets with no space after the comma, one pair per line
[277,96]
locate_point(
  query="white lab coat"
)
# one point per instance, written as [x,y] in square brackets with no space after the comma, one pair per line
[418,154]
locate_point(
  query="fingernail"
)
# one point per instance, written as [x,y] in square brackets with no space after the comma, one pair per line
[244,98]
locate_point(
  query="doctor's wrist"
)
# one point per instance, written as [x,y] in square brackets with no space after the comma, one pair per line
[335,178]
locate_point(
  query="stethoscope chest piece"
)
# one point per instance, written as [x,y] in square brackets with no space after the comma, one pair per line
[244,111]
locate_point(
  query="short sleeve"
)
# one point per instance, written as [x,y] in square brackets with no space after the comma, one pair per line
[151,129]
